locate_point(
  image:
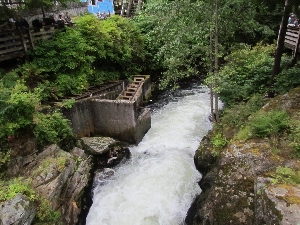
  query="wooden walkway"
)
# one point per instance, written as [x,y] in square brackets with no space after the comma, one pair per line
[292,40]
[16,43]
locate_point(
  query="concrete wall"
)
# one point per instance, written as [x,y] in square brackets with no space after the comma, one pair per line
[81,118]
[120,119]
[115,118]
[147,88]
[143,124]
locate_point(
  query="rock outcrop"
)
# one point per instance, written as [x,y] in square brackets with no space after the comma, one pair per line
[60,177]
[19,211]
[240,183]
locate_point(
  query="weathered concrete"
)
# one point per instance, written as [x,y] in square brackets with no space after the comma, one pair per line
[147,87]
[103,115]
[119,119]
[81,118]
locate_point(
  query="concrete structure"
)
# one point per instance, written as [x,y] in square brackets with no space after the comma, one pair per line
[103,115]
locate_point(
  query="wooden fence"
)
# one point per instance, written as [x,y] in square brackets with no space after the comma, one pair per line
[16,43]
[292,40]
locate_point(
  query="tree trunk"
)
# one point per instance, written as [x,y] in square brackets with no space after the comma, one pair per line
[216,62]
[43,11]
[280,45]
[213,118]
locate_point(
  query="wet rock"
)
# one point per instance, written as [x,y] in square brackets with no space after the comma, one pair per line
[97,145]
[101,176]
[19,211]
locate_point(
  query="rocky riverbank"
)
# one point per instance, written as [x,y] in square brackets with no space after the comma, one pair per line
[249,182]
[59,178]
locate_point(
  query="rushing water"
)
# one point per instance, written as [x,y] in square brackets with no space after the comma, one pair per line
[158,184]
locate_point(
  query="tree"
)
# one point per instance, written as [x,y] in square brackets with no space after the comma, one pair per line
[280,44]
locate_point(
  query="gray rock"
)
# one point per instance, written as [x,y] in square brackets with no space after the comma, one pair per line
[97,145]
[61,177]
[17,211]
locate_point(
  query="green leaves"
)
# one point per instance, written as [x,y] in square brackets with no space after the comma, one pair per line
[51,128]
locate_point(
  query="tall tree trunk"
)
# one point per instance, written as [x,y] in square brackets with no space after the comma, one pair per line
[216,62]
[280,45]
[43,11]
[211,71]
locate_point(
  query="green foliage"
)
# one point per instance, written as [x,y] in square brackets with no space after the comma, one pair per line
[12,187]
[117,46]
[238,114]
[17,106]
[64,61]
[288,78]
[264,124]
[286,175]
[9,189]
[218,141]
[295,135]
[45,215]
[177,34]
[247,72]
[51,128]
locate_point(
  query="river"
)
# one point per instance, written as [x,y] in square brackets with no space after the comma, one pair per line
[158,184]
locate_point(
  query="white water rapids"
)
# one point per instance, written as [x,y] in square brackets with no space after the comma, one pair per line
[158,184]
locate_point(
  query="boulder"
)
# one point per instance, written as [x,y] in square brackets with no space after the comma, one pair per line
[18,211]
[97,145]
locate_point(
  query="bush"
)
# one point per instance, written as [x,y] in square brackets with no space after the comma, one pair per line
[51,128]
[295,135]
[264,124]
[247,72]
[17,106]
[288,78]
[218,141]
[238,114]
[117,46]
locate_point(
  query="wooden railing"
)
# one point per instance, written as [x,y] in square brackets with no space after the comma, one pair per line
[16,43]
[292,39]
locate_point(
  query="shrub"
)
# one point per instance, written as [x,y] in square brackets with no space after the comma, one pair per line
[247,71]
[295,135]
[264,124]
[218,141]
[51,128]
[288,78]
[238,114]
[17,106]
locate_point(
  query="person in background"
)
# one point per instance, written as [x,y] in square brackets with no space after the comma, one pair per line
[37,24]
[21,22]
[293,21]
[60,22]
[68,19]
